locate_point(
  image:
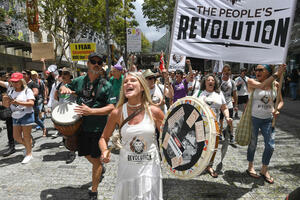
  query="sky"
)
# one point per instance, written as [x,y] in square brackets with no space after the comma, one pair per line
[150,32]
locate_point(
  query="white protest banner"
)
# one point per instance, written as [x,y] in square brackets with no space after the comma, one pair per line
[42,50]
[177,62]
[255,31]
[134,41]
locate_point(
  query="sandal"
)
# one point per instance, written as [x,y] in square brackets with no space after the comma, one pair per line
[212,173]
[269,180]
[253,175]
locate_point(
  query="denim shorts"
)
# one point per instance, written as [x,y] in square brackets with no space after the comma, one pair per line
[26,120]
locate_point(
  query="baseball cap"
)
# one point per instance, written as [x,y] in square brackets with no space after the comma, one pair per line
[34,72]
[52,68]
[118,67]
[16,77]
[65,69]
[95,54]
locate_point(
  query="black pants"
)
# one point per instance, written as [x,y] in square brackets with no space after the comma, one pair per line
[9,129]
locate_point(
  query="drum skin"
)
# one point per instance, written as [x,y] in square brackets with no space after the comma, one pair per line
[188,137]
[65,120]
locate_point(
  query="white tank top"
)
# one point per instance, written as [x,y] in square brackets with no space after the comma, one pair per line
[263,103]
[138,140]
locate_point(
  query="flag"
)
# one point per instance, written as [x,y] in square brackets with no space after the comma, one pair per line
[218,68]
[162,63]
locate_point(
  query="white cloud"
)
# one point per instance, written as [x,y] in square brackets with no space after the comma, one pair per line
[150,32]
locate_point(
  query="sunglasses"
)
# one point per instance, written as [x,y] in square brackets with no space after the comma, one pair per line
[259,70]
[150,78]
[94,62]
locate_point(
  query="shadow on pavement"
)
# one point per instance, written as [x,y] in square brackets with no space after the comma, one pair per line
[232,177]
[11,160]
[57,157]
[66,193]
[49,145]
[196,189]
[293,169]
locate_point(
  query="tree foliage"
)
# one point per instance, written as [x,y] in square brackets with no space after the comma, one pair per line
[67,20]
[146,45]
[159,12]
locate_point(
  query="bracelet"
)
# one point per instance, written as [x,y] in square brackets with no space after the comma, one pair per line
[275,76]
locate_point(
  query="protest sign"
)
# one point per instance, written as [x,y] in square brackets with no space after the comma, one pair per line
[233,30]
[81,51]
[42,50]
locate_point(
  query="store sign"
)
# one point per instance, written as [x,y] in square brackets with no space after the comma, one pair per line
[134,41]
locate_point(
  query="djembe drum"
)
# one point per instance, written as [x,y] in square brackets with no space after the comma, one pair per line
[67,122]
[188,137]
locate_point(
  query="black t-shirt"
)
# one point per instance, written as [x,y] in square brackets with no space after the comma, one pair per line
[50,81]
[32,85]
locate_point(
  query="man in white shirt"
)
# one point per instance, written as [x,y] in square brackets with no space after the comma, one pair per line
[157,90]
[228,87]
[193,86]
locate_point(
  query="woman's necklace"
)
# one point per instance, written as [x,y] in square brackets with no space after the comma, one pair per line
[133,106]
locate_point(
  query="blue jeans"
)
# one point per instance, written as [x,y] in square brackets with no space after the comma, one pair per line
[293,89]
[37,120]
[265,125]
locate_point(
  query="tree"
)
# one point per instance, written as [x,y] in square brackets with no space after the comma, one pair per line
[159,12]
[146,46]
[67,20]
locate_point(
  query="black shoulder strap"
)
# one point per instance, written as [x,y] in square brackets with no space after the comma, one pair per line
[245,82]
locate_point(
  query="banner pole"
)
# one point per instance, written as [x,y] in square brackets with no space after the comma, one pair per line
[172,33]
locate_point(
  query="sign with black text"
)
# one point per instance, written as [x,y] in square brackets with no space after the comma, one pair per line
[245,31]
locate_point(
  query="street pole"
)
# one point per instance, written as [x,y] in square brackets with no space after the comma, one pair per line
[107,35]
[125,27]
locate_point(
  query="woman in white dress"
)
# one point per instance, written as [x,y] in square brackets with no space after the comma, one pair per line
[139,173]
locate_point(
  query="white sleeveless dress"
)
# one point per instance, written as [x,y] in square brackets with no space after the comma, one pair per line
[139,173]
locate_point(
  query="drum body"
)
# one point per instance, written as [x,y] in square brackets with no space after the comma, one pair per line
[188,137]
[65,120]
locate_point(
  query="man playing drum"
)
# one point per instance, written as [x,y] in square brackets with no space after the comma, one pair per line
[94,97]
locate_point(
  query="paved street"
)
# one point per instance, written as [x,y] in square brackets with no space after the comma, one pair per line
[48,177]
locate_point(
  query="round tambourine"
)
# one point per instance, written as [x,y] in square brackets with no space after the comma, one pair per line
[188,137]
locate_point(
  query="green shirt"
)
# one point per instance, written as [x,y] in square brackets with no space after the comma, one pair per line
[89,94]
[116,85]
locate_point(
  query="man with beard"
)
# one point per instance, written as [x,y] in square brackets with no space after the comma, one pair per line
[95,104]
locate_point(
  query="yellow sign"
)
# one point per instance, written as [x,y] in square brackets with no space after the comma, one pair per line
[81,51]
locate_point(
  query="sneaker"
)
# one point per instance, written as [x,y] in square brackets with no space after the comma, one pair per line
[27,159]
[37,128]
[56,134]
[9,151]
[93,195]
